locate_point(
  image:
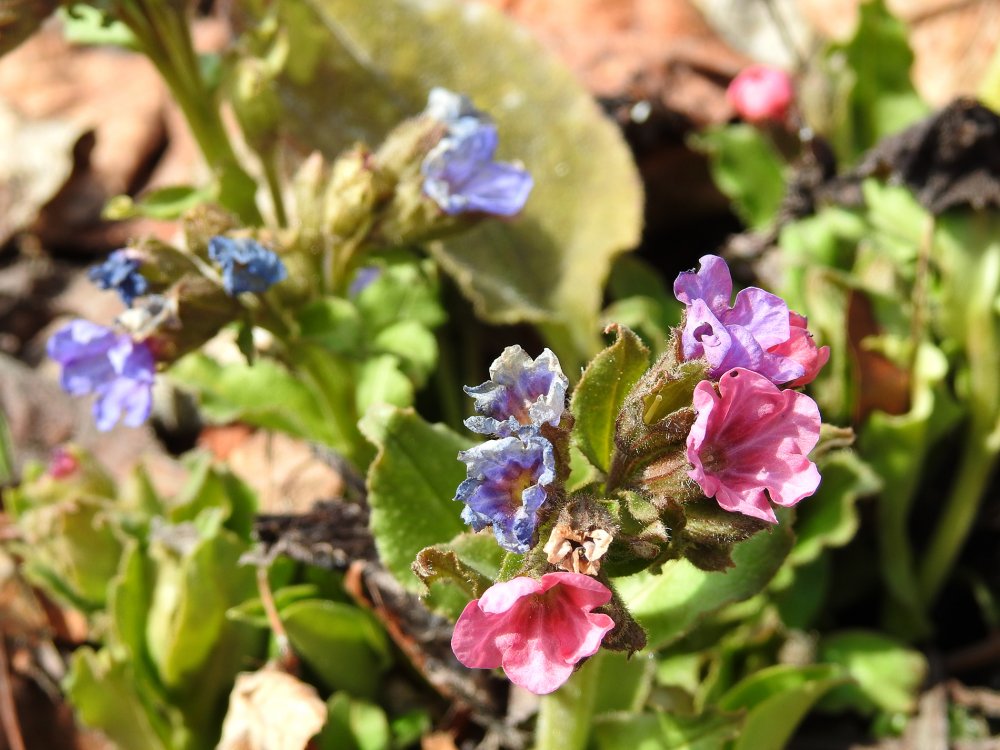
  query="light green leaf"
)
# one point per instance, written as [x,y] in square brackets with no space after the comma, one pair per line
[601,392]
[663,731]
[414,345]
[459,571]
[380,381]
[747,169]
[670,604]
[411,486]
[353,724]
[887,675]
[776,700]
[333,323]
[342,644]
[586,207]
[166,204]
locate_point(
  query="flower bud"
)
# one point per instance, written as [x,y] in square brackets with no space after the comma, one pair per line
[761,93]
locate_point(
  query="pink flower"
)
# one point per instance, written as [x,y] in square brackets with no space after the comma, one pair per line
[752,443]
[801,348]
[537,630]
[761,93]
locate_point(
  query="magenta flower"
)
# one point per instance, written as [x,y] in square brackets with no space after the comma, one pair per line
[751,444]
[801,348]
[538,631]
[761,93]
[750,334]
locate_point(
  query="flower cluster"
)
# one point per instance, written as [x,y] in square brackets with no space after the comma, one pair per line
[247,266]
[750,440]
[119,371]
[507,477]
[120,272]
[460,174]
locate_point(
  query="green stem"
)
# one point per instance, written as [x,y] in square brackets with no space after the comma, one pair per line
[163,35]
[269,160]
[565,715]
[982,274]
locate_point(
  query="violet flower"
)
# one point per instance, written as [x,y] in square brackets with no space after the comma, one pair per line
[247,266]
[506,487]
[97,360]
[120,272]
[750,443]
[460,174]
[520,393]
[751,334]
[537,630]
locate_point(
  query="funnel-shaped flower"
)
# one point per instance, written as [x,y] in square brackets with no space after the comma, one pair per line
[750,334]
[247,266]
[520,392]
[460,174]
[761,93]
[111,365]
[120,272]
[506,487]
[750,443]
[537,630]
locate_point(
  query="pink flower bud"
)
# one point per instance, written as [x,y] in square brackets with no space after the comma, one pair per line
[761,93]
[537,630]
[62,463]
[801,348]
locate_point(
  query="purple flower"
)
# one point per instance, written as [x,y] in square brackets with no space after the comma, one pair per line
[520,393]
[364,277]
[120,271]
[506,487]
[737,336]
[460,174]
[96,360]
[247,266]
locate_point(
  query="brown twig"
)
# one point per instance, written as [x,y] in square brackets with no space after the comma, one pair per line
[8,710]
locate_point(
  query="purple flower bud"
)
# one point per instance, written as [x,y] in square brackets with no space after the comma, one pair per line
[247,266]
[118,370]
[120,272]
[506,487]
[460,174]
[520,393]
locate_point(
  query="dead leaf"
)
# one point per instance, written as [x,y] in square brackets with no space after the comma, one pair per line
[271,710]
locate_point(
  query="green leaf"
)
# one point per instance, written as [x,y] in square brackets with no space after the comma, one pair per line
[209,486]
[882,100]
[252,611]
[601,392]
[657,732]
[747,169]
[265,395]
[372,68]
[829,518]
[333,323]
[166,204]
[103,693]
[411,486]
[459,571]
[342,644]
[402,291]
[776,700]
[414,345]
[84,24]
[380,381]
[671,604]
[887,675]
[353,724]
[624,682]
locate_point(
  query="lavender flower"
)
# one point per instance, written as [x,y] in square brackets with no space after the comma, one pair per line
[120,272]
[96,360]
[520,393]
[460,174]
[247,266]
[506,487]
[748,334]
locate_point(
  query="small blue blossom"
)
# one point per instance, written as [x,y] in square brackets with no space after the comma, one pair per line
[506,487]
[120,271]
[460,174]
[119,371]
[247,266]
[521,394]
[363,279]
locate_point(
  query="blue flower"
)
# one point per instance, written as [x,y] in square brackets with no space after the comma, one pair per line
[365,276]
[506,487]
[460,174]
[247,266]
[120,272]
[97,360]
[521,393]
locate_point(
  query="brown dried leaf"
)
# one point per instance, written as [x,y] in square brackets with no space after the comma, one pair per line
[271,710]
